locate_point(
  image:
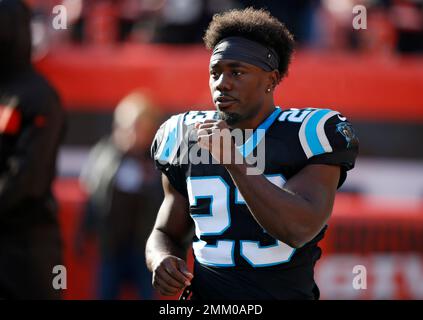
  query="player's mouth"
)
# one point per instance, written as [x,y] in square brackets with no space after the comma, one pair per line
[224,102]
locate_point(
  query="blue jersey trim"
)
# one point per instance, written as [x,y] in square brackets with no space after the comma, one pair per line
[311,132]
[258,134]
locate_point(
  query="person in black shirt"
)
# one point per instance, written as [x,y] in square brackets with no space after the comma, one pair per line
[31,129]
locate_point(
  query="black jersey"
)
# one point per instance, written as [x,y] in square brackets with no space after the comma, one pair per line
[235,258]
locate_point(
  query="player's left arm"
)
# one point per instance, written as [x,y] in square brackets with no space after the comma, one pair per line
[296,213]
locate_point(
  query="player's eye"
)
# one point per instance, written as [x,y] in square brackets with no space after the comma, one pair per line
[237,73]
[214,74]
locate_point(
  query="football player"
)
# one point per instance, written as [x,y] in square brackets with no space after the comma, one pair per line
[254,235]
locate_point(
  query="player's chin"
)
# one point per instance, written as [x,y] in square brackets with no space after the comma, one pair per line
[231,118]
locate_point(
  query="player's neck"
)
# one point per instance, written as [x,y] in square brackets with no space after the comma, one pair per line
[262,115]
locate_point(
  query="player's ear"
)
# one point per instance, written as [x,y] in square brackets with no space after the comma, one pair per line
[274,78]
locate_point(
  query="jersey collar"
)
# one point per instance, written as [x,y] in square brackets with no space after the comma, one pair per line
[258,134]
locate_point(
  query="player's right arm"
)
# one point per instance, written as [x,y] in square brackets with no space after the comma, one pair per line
[167,245]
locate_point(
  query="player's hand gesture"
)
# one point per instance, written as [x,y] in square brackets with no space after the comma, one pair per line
[171,275]
[215,136]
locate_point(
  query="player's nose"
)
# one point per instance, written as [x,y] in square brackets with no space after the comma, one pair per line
[223,83]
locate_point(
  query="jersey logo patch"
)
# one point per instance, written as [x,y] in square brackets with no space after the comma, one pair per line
[348,133]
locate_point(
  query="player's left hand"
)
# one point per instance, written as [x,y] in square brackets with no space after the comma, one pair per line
[215,136]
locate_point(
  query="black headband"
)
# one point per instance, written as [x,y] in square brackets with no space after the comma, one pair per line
[245,50]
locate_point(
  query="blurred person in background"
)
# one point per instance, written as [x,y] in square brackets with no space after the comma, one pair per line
[144,21]
[110,21]
[31,129]
[46,14]
[124,195]
[407,18]
[184,21]
[392,26]
[298,16]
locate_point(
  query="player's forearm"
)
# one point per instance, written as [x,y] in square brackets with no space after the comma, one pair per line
[283,214]
[160,245]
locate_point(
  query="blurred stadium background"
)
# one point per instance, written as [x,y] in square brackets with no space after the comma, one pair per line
[373,76]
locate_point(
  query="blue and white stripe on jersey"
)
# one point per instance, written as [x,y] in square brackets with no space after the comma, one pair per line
[258,135]
[172,138]
[312,132]
[174,131]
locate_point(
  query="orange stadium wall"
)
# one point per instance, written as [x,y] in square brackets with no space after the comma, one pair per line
[361,86]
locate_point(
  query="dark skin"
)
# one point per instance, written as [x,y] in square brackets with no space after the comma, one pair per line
[169,241]
[294,214]
[247,88]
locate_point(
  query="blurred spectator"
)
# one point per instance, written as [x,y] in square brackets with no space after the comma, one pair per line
[297,15]
[31,128]
[97,23]
[124,197]
[159,21]
[407,17]
[184,21]
[392,26]
[110,21]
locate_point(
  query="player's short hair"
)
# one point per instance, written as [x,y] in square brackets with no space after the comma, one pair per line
[254,24]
